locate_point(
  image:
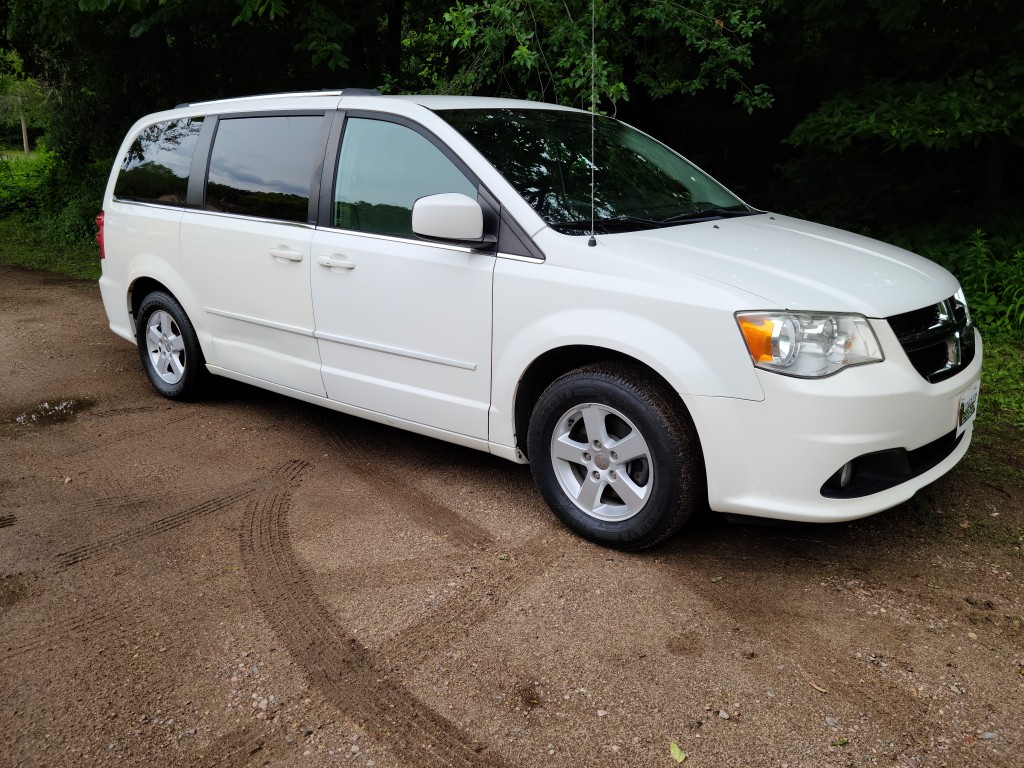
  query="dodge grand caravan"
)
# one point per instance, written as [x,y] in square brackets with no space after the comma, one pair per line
[470,269]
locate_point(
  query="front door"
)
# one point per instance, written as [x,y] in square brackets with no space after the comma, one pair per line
[403,325]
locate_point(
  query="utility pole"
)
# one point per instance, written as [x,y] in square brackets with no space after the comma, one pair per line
[24,128]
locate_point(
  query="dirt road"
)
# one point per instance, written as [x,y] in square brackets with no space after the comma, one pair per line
[253,581]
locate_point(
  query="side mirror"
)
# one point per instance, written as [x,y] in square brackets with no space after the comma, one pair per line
[448,216]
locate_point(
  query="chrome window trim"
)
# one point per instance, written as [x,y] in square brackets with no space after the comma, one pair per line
[516,257]
[224,214]
[405,240]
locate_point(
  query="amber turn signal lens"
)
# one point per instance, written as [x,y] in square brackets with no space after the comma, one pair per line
[758,334]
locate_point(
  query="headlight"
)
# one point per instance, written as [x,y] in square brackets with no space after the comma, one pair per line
[960,310]
[808,345]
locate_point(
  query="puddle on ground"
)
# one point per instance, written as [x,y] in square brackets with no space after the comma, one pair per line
[46,414]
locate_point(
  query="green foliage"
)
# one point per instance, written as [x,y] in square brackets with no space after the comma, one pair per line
[918,74]
[271,8]
[116,60]
[542,49]
[991,271]
[936,115]
[21,181]
[72,198]
[60,201]
[1002,375]
[25,242]
[21,97]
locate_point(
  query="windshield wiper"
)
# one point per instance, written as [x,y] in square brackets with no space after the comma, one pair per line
[705,214]
[606,225]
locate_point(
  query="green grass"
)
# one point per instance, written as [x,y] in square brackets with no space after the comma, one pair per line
[1002,381]
[24,242]
[16,157]
[21,177]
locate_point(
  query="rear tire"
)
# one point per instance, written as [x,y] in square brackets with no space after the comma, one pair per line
[616,456]
[169,347]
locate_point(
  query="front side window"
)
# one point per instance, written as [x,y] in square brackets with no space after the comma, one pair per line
[639,183]
[383,169]
[156,167]
[263,166]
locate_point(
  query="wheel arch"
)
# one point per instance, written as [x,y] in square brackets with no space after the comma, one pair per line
[557,362]
[139,290]
[145,283]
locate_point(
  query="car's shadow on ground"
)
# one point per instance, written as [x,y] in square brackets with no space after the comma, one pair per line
[884,540]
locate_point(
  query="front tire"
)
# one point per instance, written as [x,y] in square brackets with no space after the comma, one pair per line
[616,456]
[169,348]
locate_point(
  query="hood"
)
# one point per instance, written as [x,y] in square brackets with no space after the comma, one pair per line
[793,264]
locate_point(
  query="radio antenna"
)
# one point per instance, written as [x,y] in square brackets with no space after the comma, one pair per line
[593,108]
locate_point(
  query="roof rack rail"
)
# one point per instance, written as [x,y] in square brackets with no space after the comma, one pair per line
[322,92]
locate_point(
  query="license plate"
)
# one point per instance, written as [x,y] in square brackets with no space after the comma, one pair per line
[967,407]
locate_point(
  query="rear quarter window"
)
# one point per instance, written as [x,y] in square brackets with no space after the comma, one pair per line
[156,166]
[263,166]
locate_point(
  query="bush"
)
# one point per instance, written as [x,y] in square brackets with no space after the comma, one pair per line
[24,243]
[991,271]
[21,181]
[47,214]
[62,201]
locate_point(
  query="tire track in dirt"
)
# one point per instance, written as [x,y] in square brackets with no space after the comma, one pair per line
[478,600]
[234,750]
[109,623]
[93,624]
[119,495]
[341,668]
[65,560]
[92,445]
[125,501]
[6,521]
[396,475]
[126,410]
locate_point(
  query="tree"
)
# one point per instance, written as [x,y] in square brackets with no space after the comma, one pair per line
[542,48]
[937,75]
[112,61]
[22,99]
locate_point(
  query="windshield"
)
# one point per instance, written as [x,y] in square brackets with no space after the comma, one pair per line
[638,182]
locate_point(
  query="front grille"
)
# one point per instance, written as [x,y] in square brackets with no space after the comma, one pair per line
[939,339]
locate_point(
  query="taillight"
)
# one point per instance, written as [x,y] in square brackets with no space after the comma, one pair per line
[99,234]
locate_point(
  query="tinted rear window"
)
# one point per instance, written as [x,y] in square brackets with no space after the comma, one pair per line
[263,166]
[155,169]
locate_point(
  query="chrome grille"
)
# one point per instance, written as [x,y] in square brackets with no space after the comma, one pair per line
[938,339]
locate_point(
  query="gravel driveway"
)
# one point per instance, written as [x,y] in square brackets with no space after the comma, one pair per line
[251,580]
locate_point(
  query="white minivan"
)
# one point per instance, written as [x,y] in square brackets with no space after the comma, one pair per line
[544,285]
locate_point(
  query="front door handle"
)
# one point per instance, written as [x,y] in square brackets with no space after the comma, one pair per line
[336,261]
[284,253]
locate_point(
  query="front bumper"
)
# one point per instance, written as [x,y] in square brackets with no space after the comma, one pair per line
[774,457]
